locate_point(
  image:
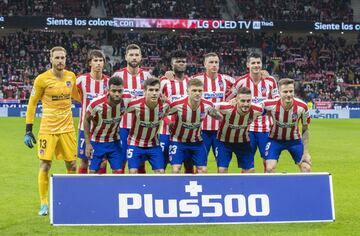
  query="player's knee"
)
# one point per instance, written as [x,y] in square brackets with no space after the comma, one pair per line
[45,165]
[251,170]
[176,169]
[202,170]
[270,166]
[133,171]
[159,171]
[305,167]
[222,170]
[84,163]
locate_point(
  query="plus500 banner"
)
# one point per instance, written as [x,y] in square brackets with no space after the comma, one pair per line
[193,199]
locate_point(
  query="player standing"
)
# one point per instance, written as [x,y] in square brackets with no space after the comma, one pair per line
[90,86]
[233,135]
[287,111]
[134,78]
[143,141]
[216,89]
[104,114]
[185,135]
[55,88]
[174,89]
[262,87]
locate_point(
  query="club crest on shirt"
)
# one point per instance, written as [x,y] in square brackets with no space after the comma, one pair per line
[202,115]
[160,114]
[263,89]
[68,84]
[220,83]
[294,117]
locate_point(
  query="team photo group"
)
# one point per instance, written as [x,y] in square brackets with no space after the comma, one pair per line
[171,122]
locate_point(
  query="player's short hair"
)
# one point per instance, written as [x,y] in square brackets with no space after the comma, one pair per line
[253,55]
[151,82]
[195,82]
[244,90]
[178,54]
[57,48]
[115,80]
[286,81]
[210,54]
[95,53]
[131,47]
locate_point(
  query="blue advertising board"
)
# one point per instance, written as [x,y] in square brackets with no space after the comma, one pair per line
[190,199]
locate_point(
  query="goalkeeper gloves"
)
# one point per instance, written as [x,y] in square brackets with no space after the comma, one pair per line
[29,138]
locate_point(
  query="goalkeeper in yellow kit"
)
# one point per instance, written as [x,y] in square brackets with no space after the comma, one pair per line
[55,88]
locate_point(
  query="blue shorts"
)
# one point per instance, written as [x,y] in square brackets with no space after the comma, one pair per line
[164,140]
[243,152]
[137,155]
[113,152]
[259,139]
[178,152]
[274,148]
[209,139]
[81,153]
[124,133]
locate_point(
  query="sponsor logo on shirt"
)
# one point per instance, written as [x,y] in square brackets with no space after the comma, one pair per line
[154,124]
[191,125]
[111,121]
[209,95]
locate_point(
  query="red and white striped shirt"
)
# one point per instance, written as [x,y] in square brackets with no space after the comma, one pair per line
[215,90]
[173,90]
[286,122]
[146,122]
[187,127]
[234,126]
[134,85]
[89,89]
[265,89]
[106,118]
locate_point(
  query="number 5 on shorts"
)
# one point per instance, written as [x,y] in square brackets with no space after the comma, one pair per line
[130,153]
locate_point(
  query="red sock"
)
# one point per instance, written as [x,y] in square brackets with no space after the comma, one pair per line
[264,163]
[118,172]
[102,170]
[141,169]
[82,170]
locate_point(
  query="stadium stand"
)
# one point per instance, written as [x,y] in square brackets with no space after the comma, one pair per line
[323,10]
[325,67]
[188,9]
[45,8]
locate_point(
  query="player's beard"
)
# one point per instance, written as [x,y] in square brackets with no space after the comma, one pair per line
[134,64]
[59,67]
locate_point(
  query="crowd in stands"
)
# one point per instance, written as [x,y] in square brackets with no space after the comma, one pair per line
[325,68]
[57,8]
[290,10]
[188,9]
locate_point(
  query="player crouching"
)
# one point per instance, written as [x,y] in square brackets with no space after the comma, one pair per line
[101,125]
[287,111]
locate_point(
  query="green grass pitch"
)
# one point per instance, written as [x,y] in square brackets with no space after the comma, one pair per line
[334,146]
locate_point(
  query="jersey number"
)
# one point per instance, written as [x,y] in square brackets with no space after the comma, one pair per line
[130,153]
[172,149]
[42,143]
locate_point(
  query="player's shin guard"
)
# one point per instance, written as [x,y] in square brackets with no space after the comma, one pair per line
[43,182]
[82,170]
[141,169]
